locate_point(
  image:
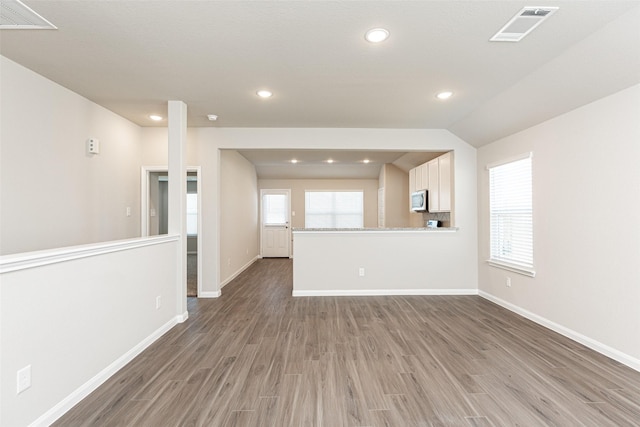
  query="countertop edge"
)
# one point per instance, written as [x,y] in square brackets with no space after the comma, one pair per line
[377,230]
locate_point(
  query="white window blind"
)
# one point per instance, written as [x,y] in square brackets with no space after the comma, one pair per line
[334,209]
[511,214]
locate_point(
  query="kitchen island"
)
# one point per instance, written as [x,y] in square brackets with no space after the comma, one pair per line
[381,261]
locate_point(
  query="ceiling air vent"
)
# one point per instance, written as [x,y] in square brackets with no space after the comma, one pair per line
[15,15]
[523,23]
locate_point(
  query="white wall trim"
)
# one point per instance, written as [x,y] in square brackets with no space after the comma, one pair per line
[9,263]
[381,292]
[209,294]
[181,318]
[240,270]
[525,271]
[87,388]
[611,352]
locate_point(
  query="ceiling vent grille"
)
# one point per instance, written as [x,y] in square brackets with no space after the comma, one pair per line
[523,23]
[15,15]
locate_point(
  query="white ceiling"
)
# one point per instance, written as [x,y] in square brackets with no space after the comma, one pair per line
[133,56]
[347,164]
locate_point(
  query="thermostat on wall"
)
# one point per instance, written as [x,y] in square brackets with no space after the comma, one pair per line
[93,146]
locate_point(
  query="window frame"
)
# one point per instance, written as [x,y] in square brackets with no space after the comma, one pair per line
[527,269]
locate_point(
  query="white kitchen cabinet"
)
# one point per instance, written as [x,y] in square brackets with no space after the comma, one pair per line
[440,184]
[423,170]
[444,177]
[434,197]
[435,176]
[412,180]
[419,178]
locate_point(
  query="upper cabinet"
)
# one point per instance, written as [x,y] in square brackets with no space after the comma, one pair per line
[412,181]
[434,176]
[419,178]
[440,184]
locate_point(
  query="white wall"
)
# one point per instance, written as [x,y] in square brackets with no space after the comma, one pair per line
[239,229]
[396,192]
[586,199]
[78,321]
[201,151]
[204,145]
[53,193]
[298,187]
[394,263]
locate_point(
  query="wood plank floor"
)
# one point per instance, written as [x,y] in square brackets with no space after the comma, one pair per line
[258,357]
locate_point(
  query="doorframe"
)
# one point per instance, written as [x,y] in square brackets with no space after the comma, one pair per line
[290,232]
[145,173]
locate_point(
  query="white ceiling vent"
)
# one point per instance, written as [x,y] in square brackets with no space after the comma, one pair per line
[523,23]
[15,15]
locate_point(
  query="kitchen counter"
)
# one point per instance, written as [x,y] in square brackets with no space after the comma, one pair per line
[375,230]
[382,261]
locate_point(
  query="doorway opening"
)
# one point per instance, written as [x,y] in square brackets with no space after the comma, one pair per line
[155,217]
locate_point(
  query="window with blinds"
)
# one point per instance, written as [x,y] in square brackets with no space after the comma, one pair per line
[511,214]
[334,209]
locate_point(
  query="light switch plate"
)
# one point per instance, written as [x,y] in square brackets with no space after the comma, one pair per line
[24,379]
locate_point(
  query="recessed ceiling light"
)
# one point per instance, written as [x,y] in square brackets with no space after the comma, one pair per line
[294,161]
[444,95]
[330,161]
[366,161]
[155,117]
[264,93]
[376,35]
[212,117]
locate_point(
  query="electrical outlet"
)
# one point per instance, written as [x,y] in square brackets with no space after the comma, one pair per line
[24,379]
[128,211]
[158,302]
[229,262]
[361,271]
[508,282]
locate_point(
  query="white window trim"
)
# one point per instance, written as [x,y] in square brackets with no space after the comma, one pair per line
[525,270]
[520,269]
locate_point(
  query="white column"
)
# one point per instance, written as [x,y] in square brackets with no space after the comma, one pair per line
[178,195]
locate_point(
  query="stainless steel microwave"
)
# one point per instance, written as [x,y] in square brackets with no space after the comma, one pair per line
[419,201]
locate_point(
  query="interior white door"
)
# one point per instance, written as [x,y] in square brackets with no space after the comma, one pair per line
[275,230]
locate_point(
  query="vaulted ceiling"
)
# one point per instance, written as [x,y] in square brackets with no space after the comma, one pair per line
[133,56]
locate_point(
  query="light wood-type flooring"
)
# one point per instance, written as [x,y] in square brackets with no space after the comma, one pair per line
[259,357]
[192,275]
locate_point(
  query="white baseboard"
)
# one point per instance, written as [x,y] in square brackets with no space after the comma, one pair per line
[84,390]
[240,270]
[611,352]
[181,318]
[209,294]
[381,292]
